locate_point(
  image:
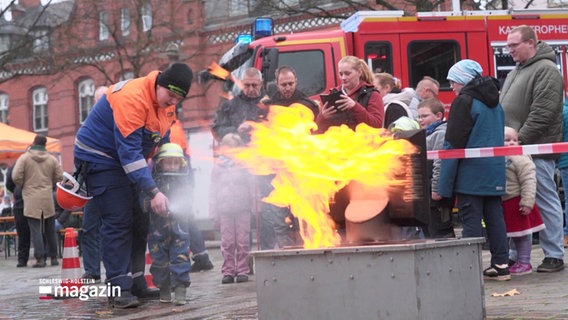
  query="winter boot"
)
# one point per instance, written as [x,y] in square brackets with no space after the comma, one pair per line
[201,262]
[179,296]
[166,294]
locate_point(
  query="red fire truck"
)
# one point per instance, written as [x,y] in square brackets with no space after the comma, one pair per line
[409,47]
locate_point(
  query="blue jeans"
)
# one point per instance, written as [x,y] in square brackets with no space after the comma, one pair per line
[471,210]
[90,240]
[564,176]
[550,208]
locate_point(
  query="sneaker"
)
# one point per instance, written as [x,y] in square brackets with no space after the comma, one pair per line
[40,263]
[126,300]
[519,269]
[496,273]
[550,265]
[242,278]
[227,279]
[22,264]
[54,262]
[91,278]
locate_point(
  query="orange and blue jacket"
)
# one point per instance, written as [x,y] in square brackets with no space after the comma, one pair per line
[124,128]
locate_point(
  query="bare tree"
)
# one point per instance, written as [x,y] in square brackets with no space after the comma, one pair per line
[119,39]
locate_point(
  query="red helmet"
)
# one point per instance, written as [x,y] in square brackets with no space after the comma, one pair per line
[68,194]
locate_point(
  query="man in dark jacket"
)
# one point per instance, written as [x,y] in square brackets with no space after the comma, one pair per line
[285,226]
[532,100]
[476,120]
[22,228]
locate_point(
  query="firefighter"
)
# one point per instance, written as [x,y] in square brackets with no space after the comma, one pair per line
[111,148]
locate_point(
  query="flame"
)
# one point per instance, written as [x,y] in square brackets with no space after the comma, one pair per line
[310,169]
[218,71]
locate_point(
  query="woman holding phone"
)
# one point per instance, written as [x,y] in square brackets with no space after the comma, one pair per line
[358,101]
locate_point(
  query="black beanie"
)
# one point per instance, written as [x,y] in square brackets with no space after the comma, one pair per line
[176,78]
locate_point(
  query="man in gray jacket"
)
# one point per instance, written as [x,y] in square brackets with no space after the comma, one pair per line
[532,100]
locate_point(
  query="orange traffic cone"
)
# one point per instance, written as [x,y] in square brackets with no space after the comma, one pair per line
[71,265]
[147,275]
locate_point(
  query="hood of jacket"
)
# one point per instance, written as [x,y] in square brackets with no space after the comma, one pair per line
[543,52]
[484,89]
[405,96]
[39,155]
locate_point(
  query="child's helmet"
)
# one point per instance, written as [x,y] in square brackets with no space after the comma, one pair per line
[169,150]
[69,194]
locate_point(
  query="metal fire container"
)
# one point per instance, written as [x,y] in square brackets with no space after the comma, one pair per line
[424,279]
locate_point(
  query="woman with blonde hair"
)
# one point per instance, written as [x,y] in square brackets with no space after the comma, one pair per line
[395,100]
[359,102]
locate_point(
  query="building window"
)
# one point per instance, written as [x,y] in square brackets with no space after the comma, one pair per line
[40,41]
[283,4]
[146,14]
[4,43]
[190,16]
[86,98]
[4,108]
[126,75]
[125,21]
[39,98]
[103,26]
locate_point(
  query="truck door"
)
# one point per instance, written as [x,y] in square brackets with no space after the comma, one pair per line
[431,54]
[313,62]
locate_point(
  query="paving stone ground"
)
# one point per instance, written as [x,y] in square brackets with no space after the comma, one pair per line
[542,296]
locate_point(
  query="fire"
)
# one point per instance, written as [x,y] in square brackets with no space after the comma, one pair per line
[218,71]
[310,169]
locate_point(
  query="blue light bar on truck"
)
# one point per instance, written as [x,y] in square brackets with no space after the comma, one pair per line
[262,27]
[243,38]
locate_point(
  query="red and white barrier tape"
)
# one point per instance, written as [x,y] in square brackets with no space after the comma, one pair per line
[546,148]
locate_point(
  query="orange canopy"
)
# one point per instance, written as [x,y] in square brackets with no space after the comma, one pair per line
[14,141]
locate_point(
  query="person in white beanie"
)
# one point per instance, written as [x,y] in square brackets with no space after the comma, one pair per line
[477,120]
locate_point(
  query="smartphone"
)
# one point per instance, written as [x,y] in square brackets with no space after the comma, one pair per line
[331,98]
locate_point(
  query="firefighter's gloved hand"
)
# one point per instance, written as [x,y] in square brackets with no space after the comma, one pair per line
[160,204]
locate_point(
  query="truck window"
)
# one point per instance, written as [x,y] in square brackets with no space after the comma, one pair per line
[378,56]
[309,66]
[432,58]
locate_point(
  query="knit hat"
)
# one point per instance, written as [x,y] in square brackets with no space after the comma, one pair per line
[176,78]
[464,71]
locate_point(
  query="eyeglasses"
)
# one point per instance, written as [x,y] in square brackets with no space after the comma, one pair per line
[424,116]
[514,45]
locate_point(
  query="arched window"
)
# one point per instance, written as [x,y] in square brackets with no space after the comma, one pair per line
[39,106]
[125,21]
[103,25]
[86,90]
[4,108]
[146,15]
